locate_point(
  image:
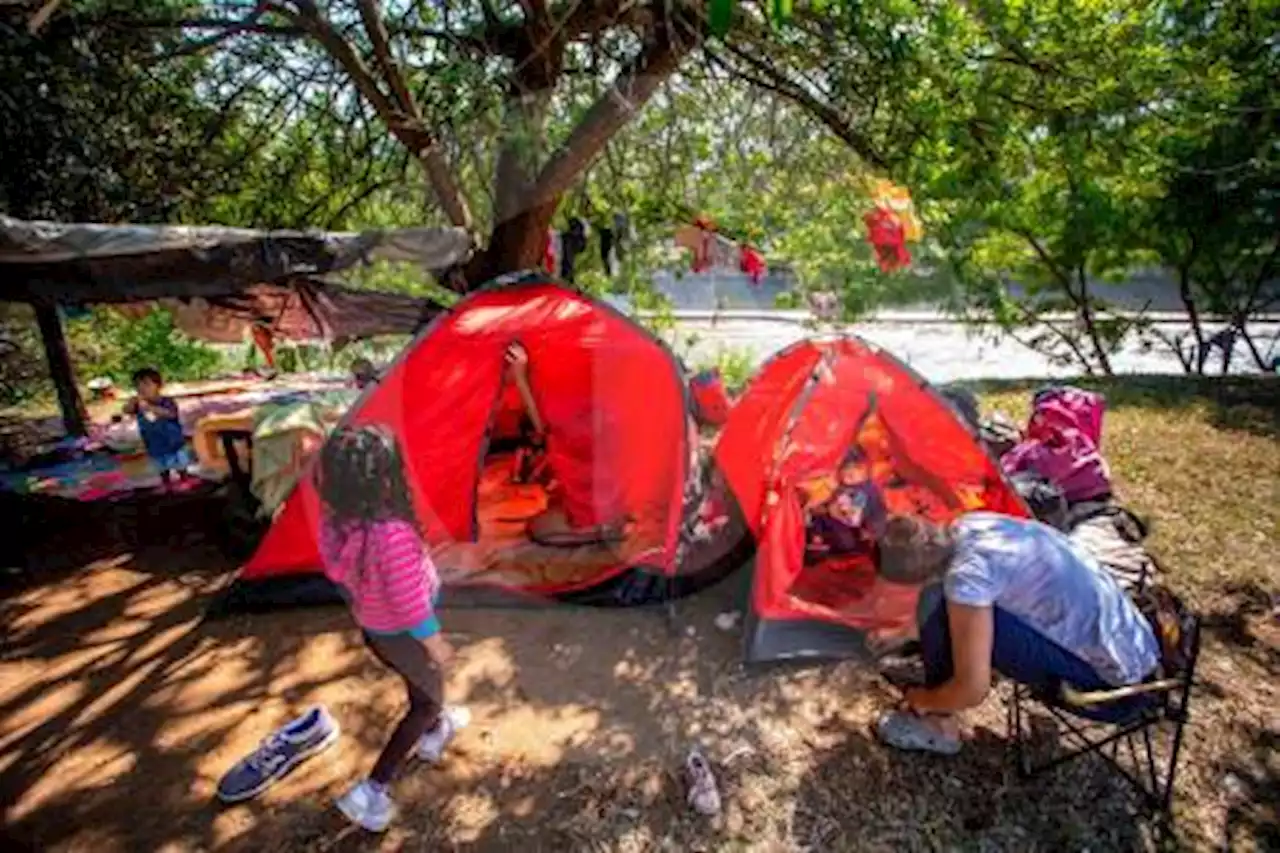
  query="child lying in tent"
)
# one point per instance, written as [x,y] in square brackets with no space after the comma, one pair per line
[877,478]
[848,522]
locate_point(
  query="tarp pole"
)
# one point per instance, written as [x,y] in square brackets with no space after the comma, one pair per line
[74,418]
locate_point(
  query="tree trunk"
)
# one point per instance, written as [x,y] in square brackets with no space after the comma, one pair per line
[515,244]
[1258,359]
[1090,324]
[520,220]
[526,204]
[1188,298]
[60,371]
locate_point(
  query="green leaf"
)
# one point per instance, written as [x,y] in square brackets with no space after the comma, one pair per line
[721,16]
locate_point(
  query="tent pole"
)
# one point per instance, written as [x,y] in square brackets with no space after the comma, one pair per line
[74,418]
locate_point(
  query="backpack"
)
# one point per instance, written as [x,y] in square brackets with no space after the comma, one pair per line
[1042,497]
[1174,625]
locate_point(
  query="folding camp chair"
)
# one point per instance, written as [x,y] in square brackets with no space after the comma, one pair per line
[1168,695]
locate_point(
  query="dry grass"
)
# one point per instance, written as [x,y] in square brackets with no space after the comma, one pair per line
[112,734]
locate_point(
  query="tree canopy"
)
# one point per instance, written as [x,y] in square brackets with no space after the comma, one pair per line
[1050,146]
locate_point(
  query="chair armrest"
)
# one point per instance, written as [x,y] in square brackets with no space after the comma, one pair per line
[1071,696]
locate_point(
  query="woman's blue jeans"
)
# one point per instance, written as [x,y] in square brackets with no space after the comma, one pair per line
[1021,653]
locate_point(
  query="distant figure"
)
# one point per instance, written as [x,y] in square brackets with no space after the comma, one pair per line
[158,425]
[1225,341]
[363,373]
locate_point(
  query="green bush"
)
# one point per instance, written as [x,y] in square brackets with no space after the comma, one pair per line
[108,343]
[736,367]
[24,375]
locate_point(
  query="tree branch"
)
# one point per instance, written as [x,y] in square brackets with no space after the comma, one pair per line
[1057,272]
[778,83]
[237,27]
[630,91]
[377,31]
[42,16]
[409,129]
[1068,339]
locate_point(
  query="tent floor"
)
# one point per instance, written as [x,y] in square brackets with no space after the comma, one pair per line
[505,556]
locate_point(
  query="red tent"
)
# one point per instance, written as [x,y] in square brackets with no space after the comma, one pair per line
[802,414]
[619,443]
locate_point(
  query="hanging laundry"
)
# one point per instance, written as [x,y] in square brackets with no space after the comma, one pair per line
[753,264]
[622,235]
[572,243]
[265,341]
[551,252]
[897,199]
[886,236]
[691,237]
[607,255]
[703,256]
[710,249]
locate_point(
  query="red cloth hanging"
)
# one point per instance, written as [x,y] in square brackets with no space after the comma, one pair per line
[706,240]
[265,341]
[752,263]
[702,256]
[551,252]
[887,236]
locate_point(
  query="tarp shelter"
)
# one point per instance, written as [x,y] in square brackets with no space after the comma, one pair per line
[49,264]
[620,443]
[301,310]
[801,415]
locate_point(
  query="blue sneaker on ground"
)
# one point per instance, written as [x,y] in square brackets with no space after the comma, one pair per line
[286,748]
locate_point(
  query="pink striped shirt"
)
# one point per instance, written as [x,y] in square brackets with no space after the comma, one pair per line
[389,579]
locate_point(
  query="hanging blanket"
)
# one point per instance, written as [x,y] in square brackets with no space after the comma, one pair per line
[285,435]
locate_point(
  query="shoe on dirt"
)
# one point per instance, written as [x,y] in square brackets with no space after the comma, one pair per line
[704,796]
[286,748]
[432,745]
[367,805]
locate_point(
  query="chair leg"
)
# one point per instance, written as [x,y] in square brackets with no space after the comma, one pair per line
[1017,730]
[1179,728]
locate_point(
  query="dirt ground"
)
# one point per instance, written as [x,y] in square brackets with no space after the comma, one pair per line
[120,707]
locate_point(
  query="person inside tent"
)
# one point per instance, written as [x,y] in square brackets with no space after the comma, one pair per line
[1014,596]
[530,449]
[850,520]
[558,524]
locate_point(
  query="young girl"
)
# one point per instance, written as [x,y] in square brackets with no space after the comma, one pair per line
[373,550]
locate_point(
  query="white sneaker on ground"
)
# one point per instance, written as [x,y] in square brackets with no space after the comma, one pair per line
[905,730]
[431,746]
[367,805]
[704,794]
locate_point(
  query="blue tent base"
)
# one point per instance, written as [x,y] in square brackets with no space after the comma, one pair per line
[801,641]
